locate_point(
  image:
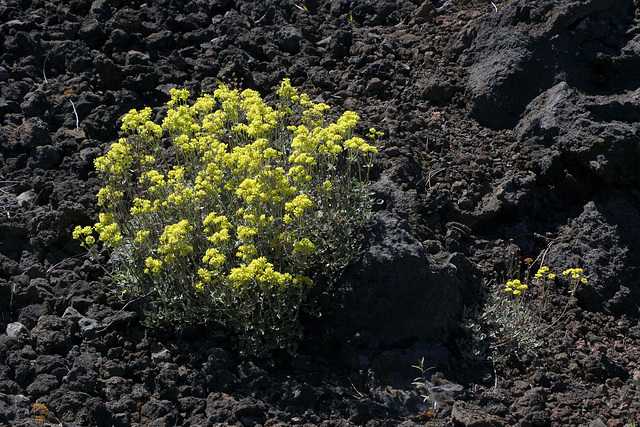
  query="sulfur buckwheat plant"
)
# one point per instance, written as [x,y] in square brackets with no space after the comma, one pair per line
[503,325]
[230,209]
[510,321]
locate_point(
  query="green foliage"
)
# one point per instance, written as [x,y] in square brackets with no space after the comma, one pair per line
[230,209]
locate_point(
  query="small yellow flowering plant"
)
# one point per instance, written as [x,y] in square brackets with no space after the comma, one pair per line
[510,320]
[508,324]
[575,279]
[229,209]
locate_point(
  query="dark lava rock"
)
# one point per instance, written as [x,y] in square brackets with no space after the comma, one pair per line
[30,314]
[43,384]
[526,46]
[511,131]
[611,225]
[78,408]
[34,132]
[52,335]
[598,132]
[51,364]
[35,104]
[17,330]
[166,381]
[20,369]
[397,292]
[470,415]
[82,376]
[160,411]
[115,388]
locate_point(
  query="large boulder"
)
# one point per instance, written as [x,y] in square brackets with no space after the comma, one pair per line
[398,293]
[603,242]
[527,46]
[599,133]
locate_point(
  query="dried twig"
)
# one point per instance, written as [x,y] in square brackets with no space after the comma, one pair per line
[44,67]
[76,113]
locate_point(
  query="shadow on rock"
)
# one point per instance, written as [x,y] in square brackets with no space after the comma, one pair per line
[397,294]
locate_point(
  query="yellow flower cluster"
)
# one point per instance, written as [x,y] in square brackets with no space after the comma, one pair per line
[261,118]
[247,252]
[302,282]
[139,122]
[575,274]
[230,102]
[313,139]
[303,247]
[515,286]
[246,232]
[298,205]
[174,241]
[374,134]
[117,161]
[541,272]
[288,92]
[182,124]
[178,96]
[108,195]
[153,266]
[261,271]
[141,207]
[85,234]
[142,236]
[154,177]
[108,229]
[218,226]
[357,144]
[214,257]
[248,190]
[314,115]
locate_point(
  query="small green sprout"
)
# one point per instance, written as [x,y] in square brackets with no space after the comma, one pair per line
[422,381]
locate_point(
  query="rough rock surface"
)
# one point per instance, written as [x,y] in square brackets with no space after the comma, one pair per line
[511,131]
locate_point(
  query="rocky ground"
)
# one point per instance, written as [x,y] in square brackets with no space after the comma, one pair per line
[511,131]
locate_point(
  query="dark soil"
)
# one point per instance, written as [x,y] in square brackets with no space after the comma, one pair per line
[511,131]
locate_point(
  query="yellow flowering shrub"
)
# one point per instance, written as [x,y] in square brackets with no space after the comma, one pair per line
[234,214]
